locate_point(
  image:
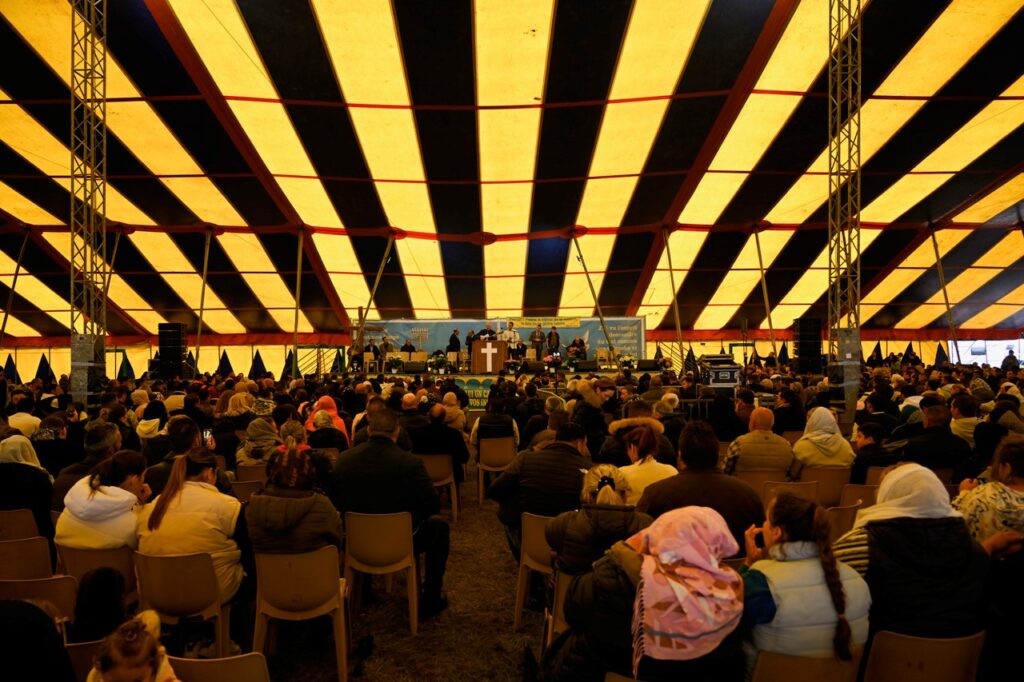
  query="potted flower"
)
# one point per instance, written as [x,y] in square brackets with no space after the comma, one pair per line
[438,362]
[627,361]
[552,363]
[394,365]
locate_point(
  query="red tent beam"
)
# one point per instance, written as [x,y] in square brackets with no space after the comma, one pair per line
[197,71]
[762,51]
[927,334]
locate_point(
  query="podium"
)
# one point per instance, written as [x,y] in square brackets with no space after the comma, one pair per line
[489,356]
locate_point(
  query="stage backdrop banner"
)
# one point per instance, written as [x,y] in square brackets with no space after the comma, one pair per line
[627,333]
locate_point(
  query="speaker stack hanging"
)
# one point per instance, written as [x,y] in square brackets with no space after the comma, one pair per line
[172,349]
[807,345]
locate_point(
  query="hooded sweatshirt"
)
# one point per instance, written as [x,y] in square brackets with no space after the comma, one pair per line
[104,519]
[286,520]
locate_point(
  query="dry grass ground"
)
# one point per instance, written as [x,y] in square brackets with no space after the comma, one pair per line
[472,640]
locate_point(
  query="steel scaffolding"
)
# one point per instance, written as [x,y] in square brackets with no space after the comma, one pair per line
[844,100]
[89,272]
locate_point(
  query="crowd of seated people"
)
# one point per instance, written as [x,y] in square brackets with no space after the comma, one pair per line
[634,510]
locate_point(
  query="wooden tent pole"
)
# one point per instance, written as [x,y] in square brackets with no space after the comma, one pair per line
[675,303]
[298,295]
[202,298]
[764,293]
[14,283]
[593,292]
[373,292]
[945,296]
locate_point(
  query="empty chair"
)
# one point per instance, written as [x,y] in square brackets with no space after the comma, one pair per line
[370,363]
[183,586]
[245,489]
[874,475]
[756,478]
[902,658]
[855,491]
[534,555]
[442,475]
[808,490]
[25,559]
[771,667]
[78,562]
[245,668]
[381,544]
[830,482]
[840,520]
[81,656]
[301,587]
[17,524]
[495,454]
[60,591]
[251,472]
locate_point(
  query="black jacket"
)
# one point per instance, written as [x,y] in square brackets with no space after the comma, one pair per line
[437,438]
[454,345]
[545,482]
[936,448]
[379,477]
[870,456]
[580,538]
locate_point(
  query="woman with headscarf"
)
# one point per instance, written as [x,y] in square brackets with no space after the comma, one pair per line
[326,404]
[25,484]
[658,606]
[579,538]
[453,413]
[261,442]
[822,445]
[290,515]
[926,574]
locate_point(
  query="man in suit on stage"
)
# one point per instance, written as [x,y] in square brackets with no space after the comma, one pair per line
[554,341]
[408,347]
[371,347]
[537,341]
[454,345]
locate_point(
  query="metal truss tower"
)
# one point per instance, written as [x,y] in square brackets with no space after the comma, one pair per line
[89,273]
[844,99]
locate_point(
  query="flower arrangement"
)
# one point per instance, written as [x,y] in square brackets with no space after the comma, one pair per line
[627,361]
[552,362]
[394,364]
[512,366]
[438,362]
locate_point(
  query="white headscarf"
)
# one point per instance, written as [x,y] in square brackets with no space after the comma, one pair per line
[19,450]
[823,431]
[908,491]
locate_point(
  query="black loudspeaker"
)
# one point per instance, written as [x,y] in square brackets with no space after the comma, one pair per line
[534,367]
[587,365]
[414,367]
[647,365]
[171,339]
[807,345]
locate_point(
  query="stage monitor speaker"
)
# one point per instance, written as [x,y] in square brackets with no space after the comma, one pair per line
[414,367]
[647,365]
[534,367]
[587,365]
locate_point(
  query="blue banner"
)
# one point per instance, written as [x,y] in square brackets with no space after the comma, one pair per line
[627,333]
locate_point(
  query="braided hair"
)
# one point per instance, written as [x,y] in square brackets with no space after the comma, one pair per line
[804,521]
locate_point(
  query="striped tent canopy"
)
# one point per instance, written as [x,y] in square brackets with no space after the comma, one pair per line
[484,134]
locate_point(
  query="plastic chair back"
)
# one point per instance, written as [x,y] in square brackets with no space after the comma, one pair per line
[78,562]
[756,478]
[17,524]
[247,667]
[496,453]
[378,543]
[830,482]
[556,618]
[840,520]
[792,436]
[856,491]
[81,656]
[535,551]
[178,586]
[246,489]
[60,590]
[439,468]
[874,475]
[902,658]
[299,586]
[808,490]
[25,559]
[771,667]
[251,472]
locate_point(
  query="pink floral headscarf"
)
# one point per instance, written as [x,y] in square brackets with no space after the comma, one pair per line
[686,602]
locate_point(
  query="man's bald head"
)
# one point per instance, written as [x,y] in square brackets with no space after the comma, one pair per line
[410,401]
[437,411]
[762,419]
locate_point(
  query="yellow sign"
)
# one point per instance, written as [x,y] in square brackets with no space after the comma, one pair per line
[545,322]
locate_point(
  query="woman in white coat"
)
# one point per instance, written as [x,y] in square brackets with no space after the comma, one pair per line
[101,510]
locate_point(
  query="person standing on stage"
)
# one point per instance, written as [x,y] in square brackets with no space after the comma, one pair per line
[510,335]
[554,341]
[537,341]
[386,346]
[454,346]
[470,337]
